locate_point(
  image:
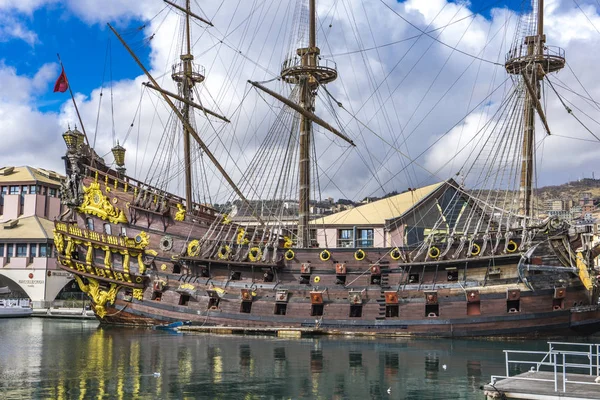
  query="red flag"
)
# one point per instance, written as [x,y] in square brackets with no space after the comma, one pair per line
[62,84]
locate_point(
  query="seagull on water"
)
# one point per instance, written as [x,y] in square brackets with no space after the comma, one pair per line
[444,367]
[389,391]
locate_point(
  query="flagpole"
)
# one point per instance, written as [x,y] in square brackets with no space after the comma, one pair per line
[74,102]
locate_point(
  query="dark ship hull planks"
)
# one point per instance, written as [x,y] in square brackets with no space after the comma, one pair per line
[526,325]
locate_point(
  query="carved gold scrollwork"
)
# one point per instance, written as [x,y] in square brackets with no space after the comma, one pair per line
[96,203]
[59,241]
[180,214]
[138,294]
[98,295]
[140,241]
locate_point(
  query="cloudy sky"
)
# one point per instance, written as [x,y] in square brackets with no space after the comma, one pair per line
[406,95]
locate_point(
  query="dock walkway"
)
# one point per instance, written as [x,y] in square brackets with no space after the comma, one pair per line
[64,313]
[567,371]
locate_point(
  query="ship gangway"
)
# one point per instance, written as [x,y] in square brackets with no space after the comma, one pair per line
[567,371]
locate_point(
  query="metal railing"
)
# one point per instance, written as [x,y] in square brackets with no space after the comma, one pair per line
[561,358]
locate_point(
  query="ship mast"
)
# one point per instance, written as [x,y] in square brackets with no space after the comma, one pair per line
[186,78]
[308,75]
[532,59]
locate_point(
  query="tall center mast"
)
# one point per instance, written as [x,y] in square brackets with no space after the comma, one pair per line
[305,71]
[186,74]
[532,59]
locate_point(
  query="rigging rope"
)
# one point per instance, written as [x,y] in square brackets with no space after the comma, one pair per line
[439,41]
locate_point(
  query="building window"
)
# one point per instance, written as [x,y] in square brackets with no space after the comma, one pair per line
[22,200]
[89,222]
[43,250]
[14,190]
[21,250]
[9,251]
[52,192]
[32,189]
[3,191]
[345,238]
[364,238]
[107,229]
[32,252]
[1,249]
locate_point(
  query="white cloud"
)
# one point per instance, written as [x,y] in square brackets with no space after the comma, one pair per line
[13,28]
[410,110]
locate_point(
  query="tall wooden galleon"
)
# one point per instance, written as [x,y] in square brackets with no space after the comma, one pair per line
[532,60]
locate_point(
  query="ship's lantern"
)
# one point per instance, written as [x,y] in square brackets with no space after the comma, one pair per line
[80,136]
[70,139]
[119,155]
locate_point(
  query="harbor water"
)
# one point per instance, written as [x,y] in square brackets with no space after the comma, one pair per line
[62,359]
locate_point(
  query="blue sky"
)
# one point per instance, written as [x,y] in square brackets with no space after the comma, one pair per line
[82,47]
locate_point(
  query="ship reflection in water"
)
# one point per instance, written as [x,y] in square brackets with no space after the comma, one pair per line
[70,360]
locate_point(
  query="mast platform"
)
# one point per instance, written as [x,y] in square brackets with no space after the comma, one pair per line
[308,64]
[548,59]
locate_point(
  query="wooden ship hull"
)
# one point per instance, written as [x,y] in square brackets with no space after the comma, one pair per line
[141,265]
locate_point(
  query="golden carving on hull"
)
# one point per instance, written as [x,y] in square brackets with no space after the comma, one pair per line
[140,241]
[96,203]
[241,239]
[98,295]
[180,214]
[193,248]
[138,294]
[59,241]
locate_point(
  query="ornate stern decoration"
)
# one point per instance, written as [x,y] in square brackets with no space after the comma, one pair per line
[99,295]
[96,203]
[104,279]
